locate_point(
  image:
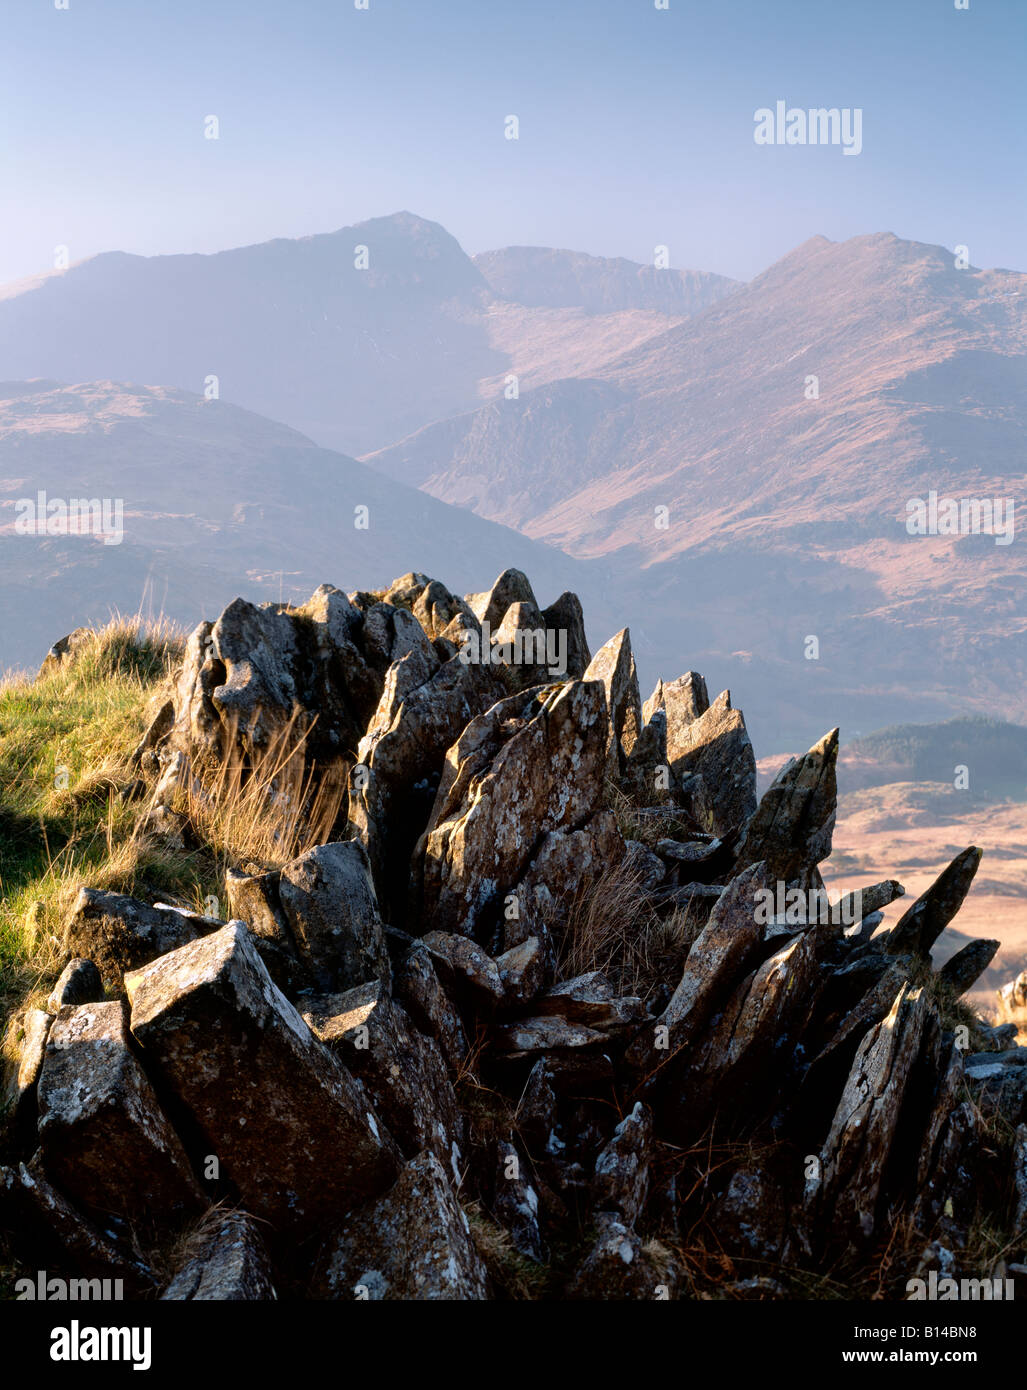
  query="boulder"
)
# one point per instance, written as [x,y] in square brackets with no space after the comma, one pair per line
[44,1227]
[119,934]
[430,1007]
[716,747]
[293,1130]
[515,1202]
[331,907]
[547,776]
[490,607]
[402,1071]
[413,1244]
[79,983]
[620,1267]
[24,1049]
[105,1139]
[621,1182]
[792,827]
[465,970]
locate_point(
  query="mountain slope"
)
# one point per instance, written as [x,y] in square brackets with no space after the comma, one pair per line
[216,501]
[356,349]
[542,277]
[786,504]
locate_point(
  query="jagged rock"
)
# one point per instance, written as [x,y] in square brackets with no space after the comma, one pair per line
[119,934]
[961,971]
[403,1072]
[254,899]
[231,1265]
[943,1146]
[684,700]
[413,1244]
[619,1266]
[565,616]
[544,1034]
[649,868]
[524,647]
[547,776]
[515,1203]
[25,1046]
[855,1153]
[866,903]
[522,971]
[388,814]
[537,1117]
[792,827]
[766,1013]
[46,1227]
[330,904]
[419,989]
[589,999]
[646,779]
[998,1082]
[1020,1178]
[511,587]
[106,1142]
[697,801]
[566,865]
[614,665]
[718,955]
[621,1182]
[716,747]
[292,1129]
[749,1218]
[919,928]
[465,969]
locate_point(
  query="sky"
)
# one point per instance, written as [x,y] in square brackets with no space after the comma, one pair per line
[635,124]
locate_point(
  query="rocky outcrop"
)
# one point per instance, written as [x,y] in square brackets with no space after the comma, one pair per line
[546,1001]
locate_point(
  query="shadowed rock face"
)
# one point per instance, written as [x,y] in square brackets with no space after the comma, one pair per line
[294,1131]
[505,1013]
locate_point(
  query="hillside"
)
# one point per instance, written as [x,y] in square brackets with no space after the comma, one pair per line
[354,349]
[785,515]
[217,501]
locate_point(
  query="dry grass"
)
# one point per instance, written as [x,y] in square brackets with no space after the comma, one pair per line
[612,927]
[270,805]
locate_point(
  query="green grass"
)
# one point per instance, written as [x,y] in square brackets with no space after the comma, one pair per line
[65,743]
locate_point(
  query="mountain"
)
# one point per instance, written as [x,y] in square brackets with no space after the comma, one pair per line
[355,356]
[785,428]
[216,501]
[541,277]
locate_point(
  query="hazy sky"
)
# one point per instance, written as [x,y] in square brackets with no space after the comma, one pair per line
[636,124]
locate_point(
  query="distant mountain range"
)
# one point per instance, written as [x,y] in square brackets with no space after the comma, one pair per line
[732,461]
[356,337]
